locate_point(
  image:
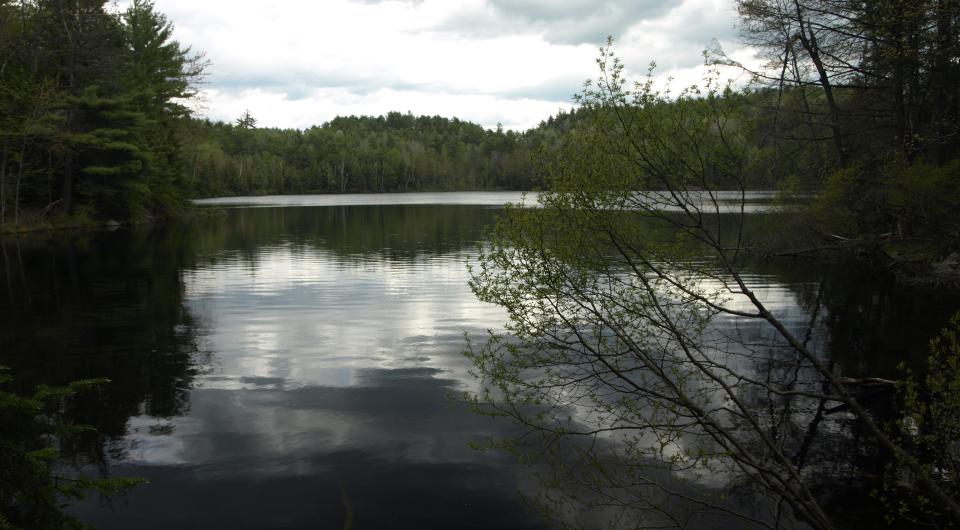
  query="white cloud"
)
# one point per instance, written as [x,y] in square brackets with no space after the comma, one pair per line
[301,62]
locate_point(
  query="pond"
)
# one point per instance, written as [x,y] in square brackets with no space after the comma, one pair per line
[291,364]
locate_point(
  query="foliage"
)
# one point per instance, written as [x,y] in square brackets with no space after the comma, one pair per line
[620,362]
[849,203]
[392,153]
[924,199]
[893,201]
[873,78]
[90,107]
[33,480]
[930,425]
[862,97]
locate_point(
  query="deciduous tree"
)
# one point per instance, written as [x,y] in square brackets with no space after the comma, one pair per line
[613,361]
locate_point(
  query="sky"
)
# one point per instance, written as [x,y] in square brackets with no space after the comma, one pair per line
[298,63]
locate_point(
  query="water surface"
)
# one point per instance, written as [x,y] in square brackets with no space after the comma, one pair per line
[291,366]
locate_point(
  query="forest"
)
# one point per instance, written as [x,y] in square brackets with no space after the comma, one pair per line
[394,153]
[858,104]
[96,124]
[853,118]
[91,110]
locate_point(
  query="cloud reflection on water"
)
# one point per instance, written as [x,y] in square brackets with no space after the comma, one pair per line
[323,347]
[313,318]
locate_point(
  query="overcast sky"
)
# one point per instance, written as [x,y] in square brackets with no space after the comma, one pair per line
[297,63]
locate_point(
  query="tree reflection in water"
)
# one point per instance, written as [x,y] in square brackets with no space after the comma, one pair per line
[370,414]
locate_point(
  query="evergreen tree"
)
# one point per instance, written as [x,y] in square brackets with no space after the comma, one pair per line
[160,76]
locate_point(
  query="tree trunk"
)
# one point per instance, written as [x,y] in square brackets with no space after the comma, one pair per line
[240,176]
[6,270]
[3,180]
[68,183]
[71,88]
[945,82]
[49,175]
[23,273]
[16,200]
[809,42]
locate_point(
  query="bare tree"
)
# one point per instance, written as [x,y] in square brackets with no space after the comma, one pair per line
[613,361]
[878,70]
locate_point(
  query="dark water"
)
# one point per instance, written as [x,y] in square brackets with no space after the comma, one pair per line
[291,367]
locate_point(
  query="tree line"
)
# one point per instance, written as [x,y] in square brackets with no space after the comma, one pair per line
[611,291]
[858,103]
[91,106]
[397,152]
[96,124]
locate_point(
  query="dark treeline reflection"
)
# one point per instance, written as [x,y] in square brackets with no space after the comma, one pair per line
[868,325]
[258,404]
[111,304]
[77,306]
[392,232]
[290,367]
[870,322]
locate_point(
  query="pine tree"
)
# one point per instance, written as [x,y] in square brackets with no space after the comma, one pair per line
[160,76]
